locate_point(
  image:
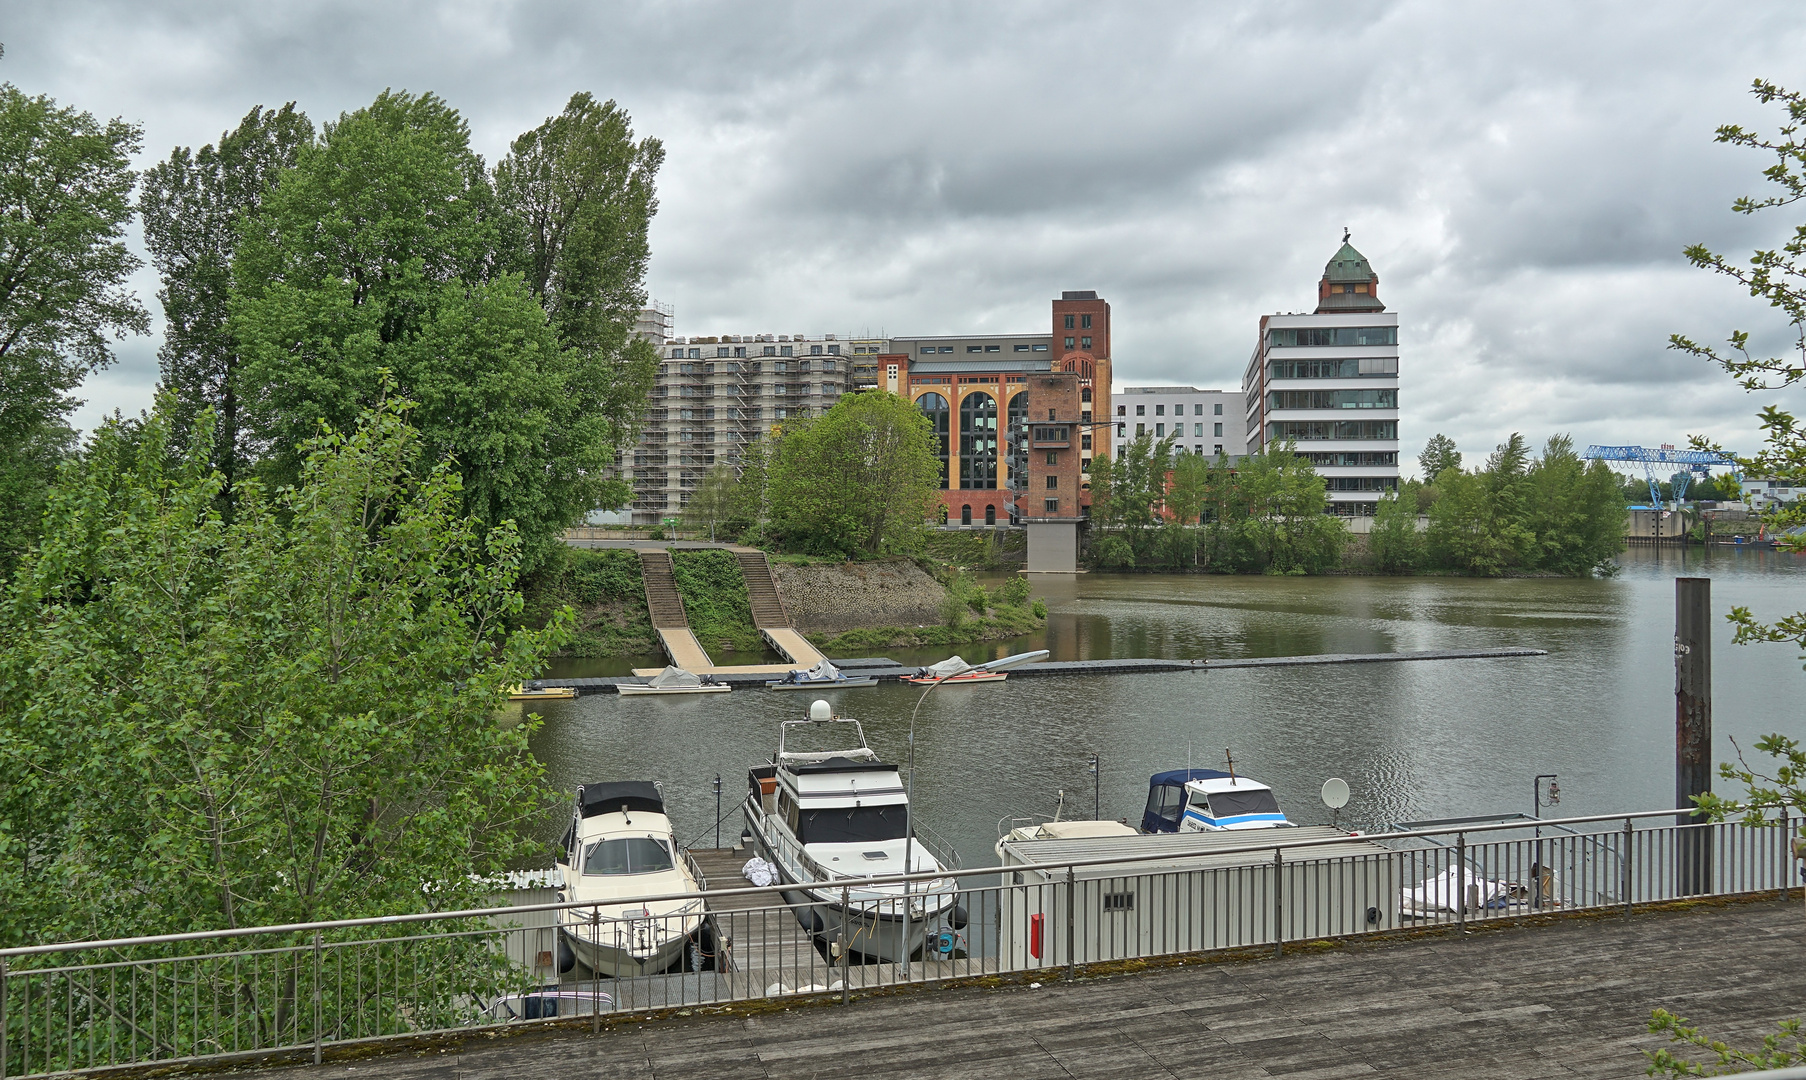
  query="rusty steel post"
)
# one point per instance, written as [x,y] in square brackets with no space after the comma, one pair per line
[1692,730]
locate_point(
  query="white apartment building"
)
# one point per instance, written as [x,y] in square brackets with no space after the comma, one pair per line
[1207,422]
[1328,382]
[716,394]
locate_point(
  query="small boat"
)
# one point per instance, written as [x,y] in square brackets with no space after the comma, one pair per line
[674,680]
[619,850]
[1209,800]
[828,821]
[954,670]
[823,676]
[535,692]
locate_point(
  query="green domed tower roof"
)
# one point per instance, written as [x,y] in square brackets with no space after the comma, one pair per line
[1349,283]
[1347,265]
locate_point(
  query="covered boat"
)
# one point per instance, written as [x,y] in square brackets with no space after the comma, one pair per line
[823,676]
[674,680]
[1205,800]
[831,819]
[954,671]
[617,853]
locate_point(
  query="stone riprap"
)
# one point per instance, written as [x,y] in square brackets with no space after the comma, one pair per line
[836,598]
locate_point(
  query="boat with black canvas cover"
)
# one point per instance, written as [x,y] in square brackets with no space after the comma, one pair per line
[619,850]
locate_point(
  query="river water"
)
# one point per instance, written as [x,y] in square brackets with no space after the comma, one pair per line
[1414,740]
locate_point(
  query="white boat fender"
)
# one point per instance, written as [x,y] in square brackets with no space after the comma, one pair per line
[759,872]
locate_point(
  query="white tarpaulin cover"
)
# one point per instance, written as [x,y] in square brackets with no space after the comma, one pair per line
[759,872]
[674,676]
[1443,892]
[953,665]
[822,672]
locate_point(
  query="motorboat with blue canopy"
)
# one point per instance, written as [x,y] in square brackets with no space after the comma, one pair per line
[1207,800]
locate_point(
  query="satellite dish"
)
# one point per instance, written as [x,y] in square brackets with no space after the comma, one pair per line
[1335,793]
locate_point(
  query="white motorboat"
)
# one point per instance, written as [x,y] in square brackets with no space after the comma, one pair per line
[831,819]
[1208,800]
[823,676]
[618,852]
[674,680]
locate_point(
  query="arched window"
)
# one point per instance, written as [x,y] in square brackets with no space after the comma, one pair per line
[934,407]
[965,514]
[1018,426]
[990,514]
[978,442]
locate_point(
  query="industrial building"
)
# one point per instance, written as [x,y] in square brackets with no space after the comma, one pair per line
[1204,422]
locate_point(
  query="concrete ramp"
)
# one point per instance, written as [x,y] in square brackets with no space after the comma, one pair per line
[685,651]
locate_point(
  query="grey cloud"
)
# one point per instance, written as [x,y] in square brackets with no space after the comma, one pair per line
[1522,177]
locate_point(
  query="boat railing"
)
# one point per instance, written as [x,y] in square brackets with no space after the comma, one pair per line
[944,853]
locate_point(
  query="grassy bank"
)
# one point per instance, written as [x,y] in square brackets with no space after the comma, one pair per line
[605,589]
[970,612]
[715,602]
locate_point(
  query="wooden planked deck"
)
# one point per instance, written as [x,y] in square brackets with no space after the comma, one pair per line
[1569,999]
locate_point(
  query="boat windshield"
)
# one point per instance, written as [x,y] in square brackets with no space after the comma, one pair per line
[852,824]
[633,855]
[1241,801]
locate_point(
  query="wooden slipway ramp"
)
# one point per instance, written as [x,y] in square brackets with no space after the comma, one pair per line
[768,611]
[667,609]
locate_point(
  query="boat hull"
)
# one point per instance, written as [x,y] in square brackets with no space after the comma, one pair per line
[959,680]
[834,684]
[632,690]
[609,956]
[874,930]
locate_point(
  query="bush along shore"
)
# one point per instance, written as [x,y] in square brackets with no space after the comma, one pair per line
[605,589]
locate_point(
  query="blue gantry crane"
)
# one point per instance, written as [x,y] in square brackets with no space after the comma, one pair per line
[1692,463]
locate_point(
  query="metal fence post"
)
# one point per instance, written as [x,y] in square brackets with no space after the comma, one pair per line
[1786,873]
[4,1047]
[1628,841]
[1279,929]
[317,969]
[846,947]
[1461,881]
[1071,908]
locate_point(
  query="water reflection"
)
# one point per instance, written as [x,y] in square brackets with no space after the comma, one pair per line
[1428,739]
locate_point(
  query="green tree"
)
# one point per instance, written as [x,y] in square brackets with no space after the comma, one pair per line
[286,716]
[193,206]
[65,199]
[385,253]
[1128,495]
[1395,543]
[860,478]
[1574,512]
[714,502]
[578,197]
[1477,525]
[1438,454]
[1287,527]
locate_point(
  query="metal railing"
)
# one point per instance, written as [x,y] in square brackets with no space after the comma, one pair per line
[303,988]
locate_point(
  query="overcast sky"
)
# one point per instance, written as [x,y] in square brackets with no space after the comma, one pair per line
[1523,177]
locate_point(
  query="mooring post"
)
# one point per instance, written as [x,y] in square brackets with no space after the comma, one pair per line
[1692,730]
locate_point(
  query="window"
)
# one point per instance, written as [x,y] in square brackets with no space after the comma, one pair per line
[1122,410]
[1051,506]
[1050,414]
[721,350]
[696,354]
[1084,442]
[965,514]
[1084,393]
[784,350]
[827,365]
[1159,430]
[1332,399]
[990,514]
[1040,348]
[802,365]
[1160,410]
[978,441]
[1218,432]
[833,350]
[1068,322]
[1084,343]
[769,350]
[927,350]
[1219,408]
[946,348]
[740,350]
[1218,450]
[975,348]
[1084,322]
[1119,901]
[1053,457]
[1140,430]
[1069,343]
[1307,430]
[1121,430]
[1197,431]
[1327,336]
[1141,410]
[1053,481]
[1022,348]
[859,825]
[1352,368]
[993,348]
[633,855]
[676,353]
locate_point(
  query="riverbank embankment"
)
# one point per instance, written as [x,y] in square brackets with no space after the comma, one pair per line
[839,606]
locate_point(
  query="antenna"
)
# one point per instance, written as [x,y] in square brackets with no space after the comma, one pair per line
[1231,760]
[1345,234]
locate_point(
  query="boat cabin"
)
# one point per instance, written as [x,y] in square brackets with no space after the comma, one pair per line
[1205,800]
[618,829]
